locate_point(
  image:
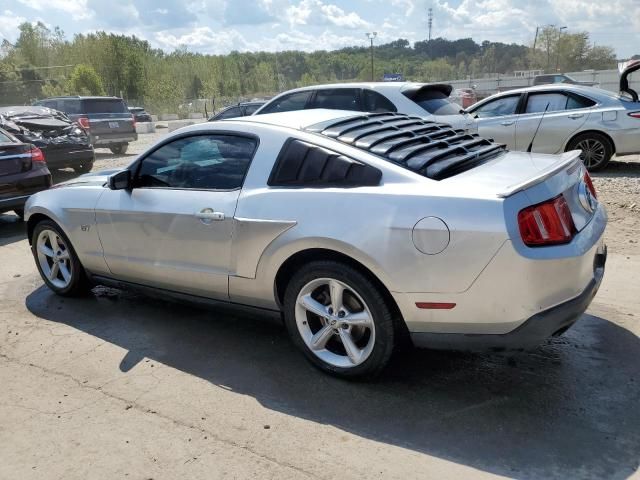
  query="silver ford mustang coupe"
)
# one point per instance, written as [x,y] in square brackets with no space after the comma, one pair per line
[364,230]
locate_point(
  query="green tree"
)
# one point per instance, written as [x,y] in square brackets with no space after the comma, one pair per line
[85,81]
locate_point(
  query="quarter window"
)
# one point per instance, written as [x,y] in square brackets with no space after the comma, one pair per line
[202,162]
[375,102]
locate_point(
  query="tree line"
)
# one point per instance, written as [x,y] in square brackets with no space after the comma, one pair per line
[43,62]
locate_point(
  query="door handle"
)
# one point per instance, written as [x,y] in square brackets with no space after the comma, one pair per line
[207,215]
[506,123]
[573,116]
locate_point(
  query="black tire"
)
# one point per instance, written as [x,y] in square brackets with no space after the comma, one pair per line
[19,212]
[84,168]
[374,299]
[79,284]
[599,146]
[119,149]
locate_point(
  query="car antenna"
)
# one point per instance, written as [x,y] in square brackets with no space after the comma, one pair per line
[537,128]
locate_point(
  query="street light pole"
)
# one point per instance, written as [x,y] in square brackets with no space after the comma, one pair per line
[371,36]
[558,46]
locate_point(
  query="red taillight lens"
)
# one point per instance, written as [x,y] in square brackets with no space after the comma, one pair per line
[37,155]
[133,120]
[84,123]
[587,180]
[634,114]
[548,223]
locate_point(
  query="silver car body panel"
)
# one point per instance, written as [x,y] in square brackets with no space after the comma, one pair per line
[153,236]
[609,115]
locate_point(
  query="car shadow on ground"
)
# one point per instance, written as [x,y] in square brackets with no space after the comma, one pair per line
[12,229]
[619,168]
[568,409]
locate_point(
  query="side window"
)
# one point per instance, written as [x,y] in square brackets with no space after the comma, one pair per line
[293,101]
[375,102]
[250,109]
[499,107]
[578,101]
[200,162]
[301,164]
[70,106]
[537,102]
[337,99]
[231,112]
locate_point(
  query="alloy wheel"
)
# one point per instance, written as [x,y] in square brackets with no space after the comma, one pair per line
[54,259]
[593,152]
[335,323]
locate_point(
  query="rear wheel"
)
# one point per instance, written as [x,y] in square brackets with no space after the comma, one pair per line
[596,150]
[57,261]
[339,319]
[119,149]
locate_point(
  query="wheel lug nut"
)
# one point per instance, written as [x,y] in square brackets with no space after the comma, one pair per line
[330,311]
[341,314]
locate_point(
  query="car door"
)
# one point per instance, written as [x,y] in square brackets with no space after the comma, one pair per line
[497,118]
[555,115]
[173,229]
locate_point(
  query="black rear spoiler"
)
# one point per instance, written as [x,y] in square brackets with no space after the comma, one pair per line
[413,90]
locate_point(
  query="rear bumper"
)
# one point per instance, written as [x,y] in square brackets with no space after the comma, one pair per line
[72,157]
[532,332]
[106,139]
[34,182]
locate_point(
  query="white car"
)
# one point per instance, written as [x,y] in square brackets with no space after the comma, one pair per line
[427,100]
[359,228]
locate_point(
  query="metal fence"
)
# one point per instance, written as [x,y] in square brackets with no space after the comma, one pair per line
[606,79]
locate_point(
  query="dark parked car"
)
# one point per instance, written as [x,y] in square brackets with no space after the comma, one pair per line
[140,115]
[63,142]
[559,78]
[106,119]
[243,109]
[23,171]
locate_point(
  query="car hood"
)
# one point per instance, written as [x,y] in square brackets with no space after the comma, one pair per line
[626,69]
[98,179]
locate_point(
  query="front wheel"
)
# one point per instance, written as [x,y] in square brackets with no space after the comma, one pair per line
[339,319]
[596,150]
[119,149]
[57,261]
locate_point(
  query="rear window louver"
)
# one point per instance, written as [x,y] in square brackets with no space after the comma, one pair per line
[434,150]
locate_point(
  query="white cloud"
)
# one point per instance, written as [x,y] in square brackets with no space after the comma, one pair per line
[204,39]
[9,22]
[315,12]
[78,9]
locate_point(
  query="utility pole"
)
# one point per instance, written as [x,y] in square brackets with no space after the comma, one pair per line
[371,36]
[430,21]
[558,46]
[535,39]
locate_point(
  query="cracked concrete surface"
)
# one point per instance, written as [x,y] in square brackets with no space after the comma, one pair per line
[118,385]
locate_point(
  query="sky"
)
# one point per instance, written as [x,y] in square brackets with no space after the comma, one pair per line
[220,26]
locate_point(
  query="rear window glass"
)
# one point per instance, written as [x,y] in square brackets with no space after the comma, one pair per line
[104,106]
[436,102]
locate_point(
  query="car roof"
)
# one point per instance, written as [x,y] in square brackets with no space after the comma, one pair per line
[556,86]
[379,86]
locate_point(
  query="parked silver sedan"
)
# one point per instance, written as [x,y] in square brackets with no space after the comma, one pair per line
[359,228]
[566,117]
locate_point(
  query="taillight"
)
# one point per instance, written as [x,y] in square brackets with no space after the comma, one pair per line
[84,123]
[548,223]
[36,155]
[133,120]
[634,114]
[587,180]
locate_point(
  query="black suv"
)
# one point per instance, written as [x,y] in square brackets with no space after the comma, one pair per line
[243,109]
[106,119]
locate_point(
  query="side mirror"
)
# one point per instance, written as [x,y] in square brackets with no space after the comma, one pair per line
[120,180]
